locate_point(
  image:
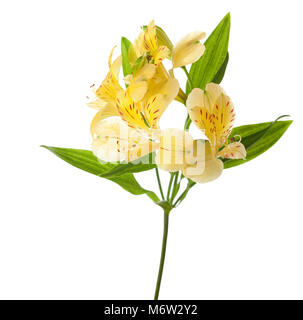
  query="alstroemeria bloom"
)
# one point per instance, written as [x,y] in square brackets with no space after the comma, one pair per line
[110,87]
[150,44]
[149,76]
[212,111]
[188,50]
[133,134]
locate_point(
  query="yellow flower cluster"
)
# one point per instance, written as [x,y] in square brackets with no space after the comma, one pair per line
[126,126]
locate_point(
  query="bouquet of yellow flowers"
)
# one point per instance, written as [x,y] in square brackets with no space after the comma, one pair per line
[127,137]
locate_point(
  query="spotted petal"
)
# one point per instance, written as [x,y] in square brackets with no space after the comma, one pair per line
[212,111]
[235,150]
[110,86]
[115,141]
[153,109]
[150,38]
[130,111]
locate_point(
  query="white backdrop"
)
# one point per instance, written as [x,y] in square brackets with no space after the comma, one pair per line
[66,234]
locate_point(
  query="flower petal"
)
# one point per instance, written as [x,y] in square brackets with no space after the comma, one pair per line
[207,168]
[235,150]
[162,53]
[137,90]
[109,110]
[175,151]
[130,111]
[212,111]
[188,50]
[117,142]
[153,110]
[150,38]
[110,86]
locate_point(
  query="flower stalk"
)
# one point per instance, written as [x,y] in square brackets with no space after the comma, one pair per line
[163,252]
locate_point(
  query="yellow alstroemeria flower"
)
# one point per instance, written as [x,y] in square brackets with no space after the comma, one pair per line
[110,87]
[111,140]
[152,78]
[212,111]
[150,44]
[105,96]
[136,133]
[188,50]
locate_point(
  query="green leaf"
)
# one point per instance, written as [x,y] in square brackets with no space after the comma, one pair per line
[125,46]
[220,74]
[142,164]
[257,138]
[163,39]
[139,63]
[85,160]
[206,68]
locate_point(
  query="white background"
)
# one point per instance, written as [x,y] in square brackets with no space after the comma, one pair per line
[66,234]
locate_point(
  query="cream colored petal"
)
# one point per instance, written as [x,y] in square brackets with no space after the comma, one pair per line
[188,50]
[105,145]
[109,110]
[146,72]
[195,104]
[212,92]
[116,67]
[175,150]
[137,90]
[115,141]
[195,99]
[210,170]
[207,168]
[235,150]
[162,53]
[170,90]
[138,83]
[138,47]
[97,103]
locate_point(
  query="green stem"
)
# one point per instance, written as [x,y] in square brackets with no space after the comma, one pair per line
[176,187]
[191,86]
[164,242]
[184,194]
[169,185]
[188,78]
[187,123]
[159,183]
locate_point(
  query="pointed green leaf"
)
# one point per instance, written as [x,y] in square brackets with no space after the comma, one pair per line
[220,74]
[142,164]
[206,68]
[85,160]
[125,47]
[257,138]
